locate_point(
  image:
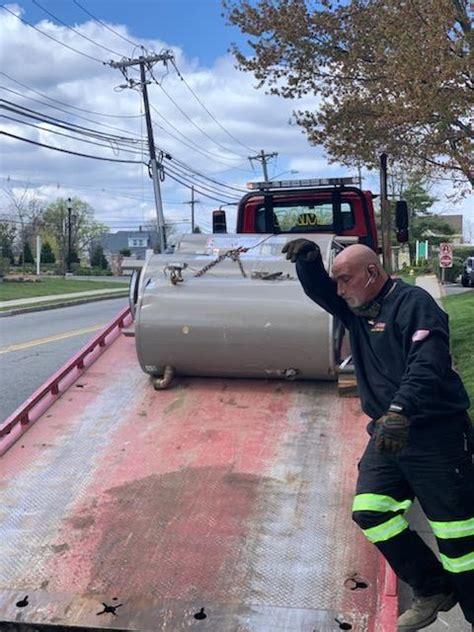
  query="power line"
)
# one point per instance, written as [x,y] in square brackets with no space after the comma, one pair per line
[84,118]
[195,124]
[211,197]
[96,190]
[66,151]
[82,140]
[110,50]
[188,142]
[68,105]
[191,181]
[179,165]
[109,28]
[30,113]
[207,110]
[75,50]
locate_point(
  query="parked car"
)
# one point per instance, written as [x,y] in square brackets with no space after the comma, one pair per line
[467,276]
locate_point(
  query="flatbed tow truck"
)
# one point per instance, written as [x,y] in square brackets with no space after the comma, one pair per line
[221,502]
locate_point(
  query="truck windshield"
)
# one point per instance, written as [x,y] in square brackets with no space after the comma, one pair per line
[291,217]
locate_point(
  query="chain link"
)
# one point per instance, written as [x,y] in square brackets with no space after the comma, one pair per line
[234,255]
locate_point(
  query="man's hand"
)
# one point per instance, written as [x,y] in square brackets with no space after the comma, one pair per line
[301,249]
[391,433]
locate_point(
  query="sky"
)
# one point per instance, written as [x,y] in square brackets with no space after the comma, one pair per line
[207,115]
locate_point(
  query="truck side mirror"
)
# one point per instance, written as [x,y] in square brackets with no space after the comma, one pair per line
[219,222]
[401,219]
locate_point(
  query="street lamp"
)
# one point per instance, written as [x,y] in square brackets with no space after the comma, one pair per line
[292,171]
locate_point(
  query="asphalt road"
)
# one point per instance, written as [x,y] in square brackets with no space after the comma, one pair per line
[456,288]
[33,346]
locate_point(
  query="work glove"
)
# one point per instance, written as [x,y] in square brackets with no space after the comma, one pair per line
[391,433]
[302,250]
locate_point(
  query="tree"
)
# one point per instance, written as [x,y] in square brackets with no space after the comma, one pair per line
[47,254]
[26,255]
[391,76]
[126,252]
[84,229]
[7,239]
[418,199]
[27,211]
[98,259]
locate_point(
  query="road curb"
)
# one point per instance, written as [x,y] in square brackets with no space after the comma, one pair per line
[69,303]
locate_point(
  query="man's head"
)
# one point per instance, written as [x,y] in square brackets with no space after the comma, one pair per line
[359,275]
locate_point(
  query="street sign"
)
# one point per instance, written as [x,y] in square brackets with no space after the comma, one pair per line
[446,255]
[446,248]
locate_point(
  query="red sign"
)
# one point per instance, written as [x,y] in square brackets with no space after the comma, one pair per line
[446,261]
[446,249]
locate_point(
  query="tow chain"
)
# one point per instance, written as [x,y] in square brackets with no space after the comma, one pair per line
[234,255]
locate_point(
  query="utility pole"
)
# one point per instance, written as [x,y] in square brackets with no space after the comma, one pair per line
[146,63]
[385,216]
[263,157]
[192,202]
[69,241]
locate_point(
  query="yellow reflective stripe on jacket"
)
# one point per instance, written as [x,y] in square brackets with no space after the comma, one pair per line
[379,502]
[453,529]
[386,530]
[458,564]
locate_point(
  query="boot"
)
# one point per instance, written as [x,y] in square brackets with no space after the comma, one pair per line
[424,610]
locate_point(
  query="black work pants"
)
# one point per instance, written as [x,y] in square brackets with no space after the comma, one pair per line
[437,468]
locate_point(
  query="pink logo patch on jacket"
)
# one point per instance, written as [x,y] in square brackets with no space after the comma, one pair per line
[420,334]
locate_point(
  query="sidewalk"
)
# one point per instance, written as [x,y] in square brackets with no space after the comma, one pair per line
[452,621]
[38,303]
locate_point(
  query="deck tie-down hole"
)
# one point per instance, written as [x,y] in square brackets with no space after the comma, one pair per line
[354,582]
[109,609]
[343,625]
[200,615]
[22,603]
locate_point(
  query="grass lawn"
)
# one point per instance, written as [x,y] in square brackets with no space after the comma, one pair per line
[460,308]
[12,290]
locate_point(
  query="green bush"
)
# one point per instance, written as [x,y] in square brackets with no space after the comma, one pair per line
[451,274]
[26,269]
[82,271]
[427,267]
[463,252]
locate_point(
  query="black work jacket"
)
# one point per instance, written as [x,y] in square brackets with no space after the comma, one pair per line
[400,357]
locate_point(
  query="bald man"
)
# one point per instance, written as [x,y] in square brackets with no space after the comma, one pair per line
[420,434]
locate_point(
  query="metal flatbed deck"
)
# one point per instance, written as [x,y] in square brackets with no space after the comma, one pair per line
[214,505]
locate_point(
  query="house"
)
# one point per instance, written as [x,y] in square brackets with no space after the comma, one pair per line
[138,242]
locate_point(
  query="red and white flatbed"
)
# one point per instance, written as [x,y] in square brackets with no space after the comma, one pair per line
[215,505]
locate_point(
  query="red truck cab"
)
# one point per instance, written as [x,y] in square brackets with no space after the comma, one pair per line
[316,205]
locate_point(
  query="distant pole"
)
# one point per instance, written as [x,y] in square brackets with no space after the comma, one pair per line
[192,202]
[69,234]
[38,255]
[263,157]
[385,216]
